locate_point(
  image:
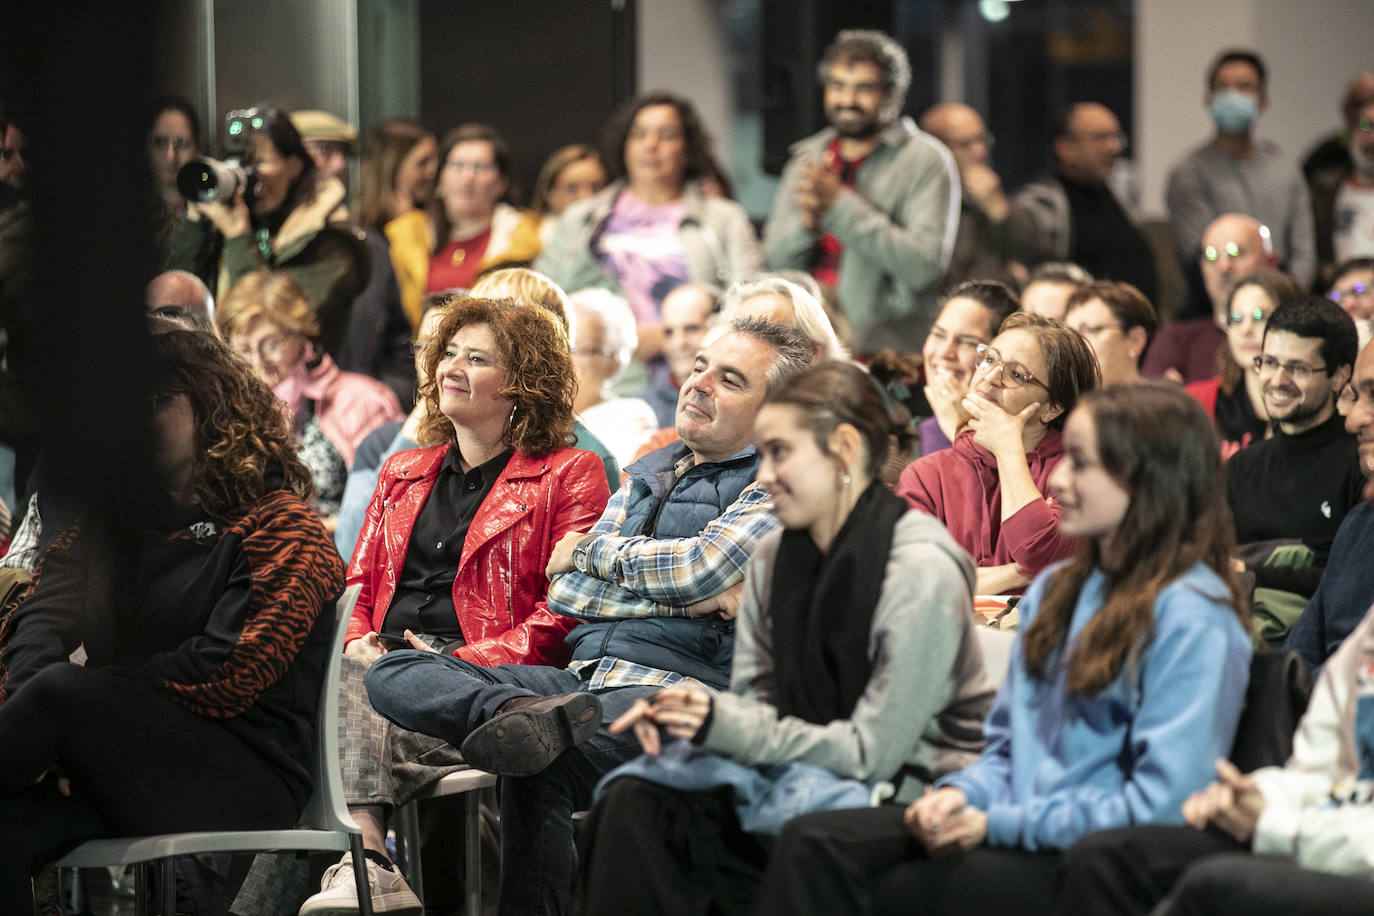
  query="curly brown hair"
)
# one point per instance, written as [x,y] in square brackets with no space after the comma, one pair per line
[244,447]
[540,378]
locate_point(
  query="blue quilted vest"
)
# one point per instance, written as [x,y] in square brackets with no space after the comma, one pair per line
[662,505]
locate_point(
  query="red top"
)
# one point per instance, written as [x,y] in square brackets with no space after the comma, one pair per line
[827,269]
[960,487]
[456,265]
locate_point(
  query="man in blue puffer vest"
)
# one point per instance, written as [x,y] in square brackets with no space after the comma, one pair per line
[655,581]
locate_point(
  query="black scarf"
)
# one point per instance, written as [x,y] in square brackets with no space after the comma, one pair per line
[822,609]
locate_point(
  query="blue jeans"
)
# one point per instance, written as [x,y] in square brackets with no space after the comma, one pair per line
[446,697]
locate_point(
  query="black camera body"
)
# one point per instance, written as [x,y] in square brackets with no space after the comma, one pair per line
[208,179]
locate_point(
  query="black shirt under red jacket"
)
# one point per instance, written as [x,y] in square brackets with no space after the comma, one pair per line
[229,617]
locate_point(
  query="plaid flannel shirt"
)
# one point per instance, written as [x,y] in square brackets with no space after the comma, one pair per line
[23,552]
[639,576]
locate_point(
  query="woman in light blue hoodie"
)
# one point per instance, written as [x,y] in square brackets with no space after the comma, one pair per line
[1126,683]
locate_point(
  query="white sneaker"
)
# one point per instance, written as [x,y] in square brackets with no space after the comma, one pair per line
[338,894]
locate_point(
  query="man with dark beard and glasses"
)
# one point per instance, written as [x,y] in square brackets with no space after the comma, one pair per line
[870,205]
[1293,489]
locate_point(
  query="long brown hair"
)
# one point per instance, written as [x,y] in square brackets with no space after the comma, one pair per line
[386,148]
[500,155]
[1158,443]
[540,379]
[244,446]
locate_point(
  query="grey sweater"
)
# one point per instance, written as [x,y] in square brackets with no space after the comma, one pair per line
[897,226]
[925,702]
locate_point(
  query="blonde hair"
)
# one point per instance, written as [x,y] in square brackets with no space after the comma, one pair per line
[527,287]
[272,295]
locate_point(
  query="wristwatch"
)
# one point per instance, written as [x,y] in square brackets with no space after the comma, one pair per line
[579,555]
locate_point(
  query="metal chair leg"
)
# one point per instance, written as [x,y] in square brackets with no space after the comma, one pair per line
[407,826]
[360,875]
[142,871]
[472,883]
[167,885]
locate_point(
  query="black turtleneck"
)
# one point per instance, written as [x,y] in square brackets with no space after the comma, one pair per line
[1295,486]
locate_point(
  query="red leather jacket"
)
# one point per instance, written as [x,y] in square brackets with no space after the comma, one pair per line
[500,591]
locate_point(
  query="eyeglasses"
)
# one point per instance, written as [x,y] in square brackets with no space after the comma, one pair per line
[162,144]
[477,168]
[1340,295]
[269,348]
[1236,316]
[1298,372]
[1364,125]
[1231,249]
[1100,137]
[985,138]
[1092,330]
[1346,399]
[1013,375]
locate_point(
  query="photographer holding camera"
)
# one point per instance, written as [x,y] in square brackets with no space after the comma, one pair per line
[266,207]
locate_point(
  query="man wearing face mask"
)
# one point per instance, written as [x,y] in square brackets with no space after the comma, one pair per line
[1237,172]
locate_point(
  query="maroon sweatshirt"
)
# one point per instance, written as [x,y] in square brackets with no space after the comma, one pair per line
[960,487]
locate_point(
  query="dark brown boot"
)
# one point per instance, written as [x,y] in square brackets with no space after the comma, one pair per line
[530,733]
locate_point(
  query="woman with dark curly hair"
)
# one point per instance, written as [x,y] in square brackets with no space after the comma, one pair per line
[652,228]
[195,709]
[453,550]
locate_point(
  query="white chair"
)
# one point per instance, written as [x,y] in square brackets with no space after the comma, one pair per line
[324,824]
[996,646]
[460,782]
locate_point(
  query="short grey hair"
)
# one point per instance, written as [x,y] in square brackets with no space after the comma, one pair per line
[879,49]
[616,317]
[811,319]
[792,347]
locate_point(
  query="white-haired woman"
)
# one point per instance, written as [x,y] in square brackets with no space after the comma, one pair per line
[603,342]
[783,302]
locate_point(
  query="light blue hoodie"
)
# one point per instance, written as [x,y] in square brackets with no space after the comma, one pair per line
[1060,765]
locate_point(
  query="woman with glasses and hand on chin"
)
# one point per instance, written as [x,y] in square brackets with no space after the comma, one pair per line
[990,488]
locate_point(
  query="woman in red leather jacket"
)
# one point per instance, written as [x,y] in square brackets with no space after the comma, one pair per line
[499,399]
[452,554]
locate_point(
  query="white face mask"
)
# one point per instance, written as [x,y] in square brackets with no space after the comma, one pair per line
[1234,112]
